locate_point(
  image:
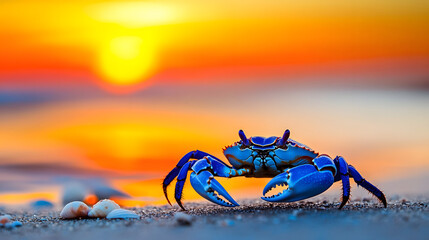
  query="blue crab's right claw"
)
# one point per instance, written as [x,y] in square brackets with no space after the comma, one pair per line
[303,182]
[205,185]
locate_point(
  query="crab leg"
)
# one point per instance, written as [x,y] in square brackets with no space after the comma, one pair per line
[345,172]
[203,182]
[173,173]
[303,181]
[360,181]
[343,175]
[181,178]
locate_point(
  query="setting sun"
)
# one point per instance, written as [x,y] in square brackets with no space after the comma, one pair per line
[126,60]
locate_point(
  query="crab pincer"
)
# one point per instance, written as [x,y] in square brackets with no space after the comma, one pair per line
[303,181]
[210,189]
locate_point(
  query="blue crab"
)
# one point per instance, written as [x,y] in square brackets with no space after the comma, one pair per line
[301,170]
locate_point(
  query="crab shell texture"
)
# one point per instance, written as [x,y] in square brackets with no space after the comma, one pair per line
[268,157]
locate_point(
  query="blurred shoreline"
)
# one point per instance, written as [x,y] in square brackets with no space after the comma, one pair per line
[130,141]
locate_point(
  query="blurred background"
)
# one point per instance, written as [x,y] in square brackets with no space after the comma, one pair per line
[102,98]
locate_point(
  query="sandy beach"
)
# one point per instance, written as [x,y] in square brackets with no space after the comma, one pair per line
[254,219]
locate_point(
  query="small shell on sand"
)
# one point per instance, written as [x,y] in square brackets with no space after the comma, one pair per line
[103,208]
[75,209]
[4,219]
[17,224]
[12,225]
[122,214]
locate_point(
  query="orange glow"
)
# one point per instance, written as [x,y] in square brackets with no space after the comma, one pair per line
[91,199]
[25,198]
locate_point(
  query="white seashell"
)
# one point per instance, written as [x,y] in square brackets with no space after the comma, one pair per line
[122,214]
[74,210]
[102,208]
[4,219]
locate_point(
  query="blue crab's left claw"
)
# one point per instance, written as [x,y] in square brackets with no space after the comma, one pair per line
[303,182]
[205,185]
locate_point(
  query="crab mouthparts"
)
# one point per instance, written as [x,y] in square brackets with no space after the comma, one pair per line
[278,188]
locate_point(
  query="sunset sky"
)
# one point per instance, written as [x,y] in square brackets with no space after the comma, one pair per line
[123,43]
[120,90]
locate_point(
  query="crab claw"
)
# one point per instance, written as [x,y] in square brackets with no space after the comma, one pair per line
[209,188]
[304,181]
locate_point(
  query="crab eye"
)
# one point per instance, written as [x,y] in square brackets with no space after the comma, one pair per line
[285,137]
[243,137]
